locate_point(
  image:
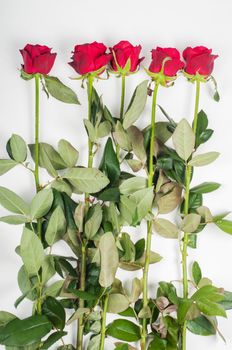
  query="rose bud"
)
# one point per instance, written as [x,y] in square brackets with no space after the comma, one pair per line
[122,52]
[165,64]
[199,60]
[89,58]
[37,59]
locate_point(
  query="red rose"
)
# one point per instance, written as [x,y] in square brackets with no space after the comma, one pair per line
[89,58]
[171,66]
[37,59]
[123,51]
[199,60]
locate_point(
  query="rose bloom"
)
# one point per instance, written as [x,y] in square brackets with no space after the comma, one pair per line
[171,66]
[37,59]
[88,58]
[199,60]
[123,51]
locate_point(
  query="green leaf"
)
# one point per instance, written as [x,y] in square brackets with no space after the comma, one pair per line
[6,317]
[27,284]
[225,225]
[184,139]
[93,221]
[124,330]
[25,332]
[54,311]
[210,308]
[54,289]
[136,105]
[158,344]
[183,308]
[103,129]
[204,159]
[227,301]
[206,187]
[6,165]
[82,294]
[143,200]
[117,303]
[56,226]
[41,203]
[109,259]
[14,219]
[94,343]
[196,272]
[162,132]
[48,268]
[216,96]
[31,250]
[68,153]
[201,326]
[137,140]
[49,158]
[52,339]
[109,163]
[78,314]
[165,228]
[89,180]
[18,148]
[12,202]
[191,222]
[133,184]
[127,209]
[60,91]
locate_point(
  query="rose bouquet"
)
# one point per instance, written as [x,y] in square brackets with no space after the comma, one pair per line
[143,175]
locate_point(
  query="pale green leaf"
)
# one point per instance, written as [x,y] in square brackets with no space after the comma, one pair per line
[56,226]
[109,259]
[204,159]
[32,252]
[89,180]
[12,202]
[191,222]
[18,148]
[166,228]
[41,203]
[6,165]
[92,224]
[184,139]
[68,153]
[136,105]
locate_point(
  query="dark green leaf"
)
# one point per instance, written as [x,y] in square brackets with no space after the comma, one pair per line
[158,344]
[201,326]
[60,91]
[196,272]
[52,339]
[25,332]
[124,330]
[139,248]
[109,163]
[54,311]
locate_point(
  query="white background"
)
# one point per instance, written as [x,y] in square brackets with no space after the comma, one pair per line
[61,25]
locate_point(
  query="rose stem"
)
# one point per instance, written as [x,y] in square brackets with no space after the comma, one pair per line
[80,324]
[123,87]
[36,176]
[188,174]
[149,223]
[103,322]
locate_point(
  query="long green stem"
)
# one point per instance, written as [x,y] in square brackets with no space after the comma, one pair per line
[80,324]
[149,223]
[103,324]
[188,174]
[36,173]
[122,103]
[37,181]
